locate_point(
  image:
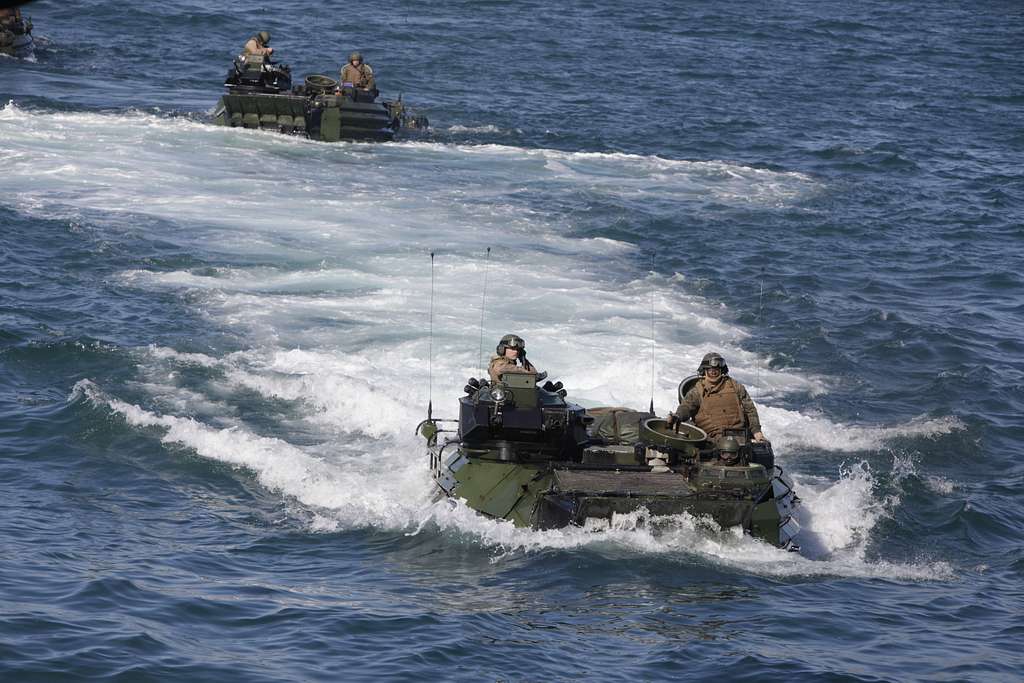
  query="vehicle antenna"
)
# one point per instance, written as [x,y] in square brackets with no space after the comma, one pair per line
[430,352]
[651,410]
[757,334]
[483,301]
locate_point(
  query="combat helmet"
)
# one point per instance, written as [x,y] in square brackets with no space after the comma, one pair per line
[512,341]
[712,360]
[354,56]
[264,37]
[728,449]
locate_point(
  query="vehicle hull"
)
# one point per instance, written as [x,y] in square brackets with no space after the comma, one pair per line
[327,118]
[547,494]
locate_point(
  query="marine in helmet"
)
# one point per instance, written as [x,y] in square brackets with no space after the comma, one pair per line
[717,402]
[9,16]
[10,24]
[728,450]
[258,45]
[357,72]
[510,357]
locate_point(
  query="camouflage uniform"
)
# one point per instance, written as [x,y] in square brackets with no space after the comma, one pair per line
[360,76]
[255,46]
[500,364]
[8,18]
[717,406]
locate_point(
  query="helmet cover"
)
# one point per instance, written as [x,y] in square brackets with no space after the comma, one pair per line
[712,360]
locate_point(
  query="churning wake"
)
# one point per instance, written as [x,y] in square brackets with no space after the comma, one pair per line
[318,264]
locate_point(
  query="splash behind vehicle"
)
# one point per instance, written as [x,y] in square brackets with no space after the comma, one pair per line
[260,95]
[521,452]
[16,38]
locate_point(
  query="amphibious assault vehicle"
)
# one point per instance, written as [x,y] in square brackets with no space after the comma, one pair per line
[16,39]
[260,95]
[521,452]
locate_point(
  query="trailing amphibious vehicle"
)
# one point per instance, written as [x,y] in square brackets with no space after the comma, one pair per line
[16,37]
[521,452]
[260,95]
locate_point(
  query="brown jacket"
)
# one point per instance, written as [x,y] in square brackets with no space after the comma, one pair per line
[9,18]
[719,406]
[500,364]
[360,76]
[253,46]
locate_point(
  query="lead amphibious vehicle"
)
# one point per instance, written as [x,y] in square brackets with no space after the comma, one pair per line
[260,95]
[521,452]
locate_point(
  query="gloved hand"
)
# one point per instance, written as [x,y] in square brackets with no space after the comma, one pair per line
[672,420]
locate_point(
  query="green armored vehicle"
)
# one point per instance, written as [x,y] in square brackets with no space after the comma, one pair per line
[260,95]
[523,453]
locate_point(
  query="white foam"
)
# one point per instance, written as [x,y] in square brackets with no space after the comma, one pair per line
[939,485]
[333,310]
[464,130]
[164,353]
[351,492]
[809,431]
[180,169]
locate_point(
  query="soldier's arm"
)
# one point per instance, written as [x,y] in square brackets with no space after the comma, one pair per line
[253,48]
[689,406]
[750,410]
[496,368]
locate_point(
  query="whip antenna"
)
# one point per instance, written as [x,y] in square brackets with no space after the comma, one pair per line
[757,344]
[483,302]
[651,410]
[430,353]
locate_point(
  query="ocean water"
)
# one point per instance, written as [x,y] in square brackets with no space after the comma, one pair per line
[215,344]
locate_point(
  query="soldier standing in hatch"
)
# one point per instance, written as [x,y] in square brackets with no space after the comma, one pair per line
[357,72]
[717,402]
[511,357]
[257,45]
[9,18]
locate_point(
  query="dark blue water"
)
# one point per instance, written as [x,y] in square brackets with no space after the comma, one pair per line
[214,343]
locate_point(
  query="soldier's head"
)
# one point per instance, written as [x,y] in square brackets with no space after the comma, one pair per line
[712,366]
[356,58]
[728,449]
[264,37]
[511,346]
